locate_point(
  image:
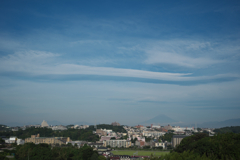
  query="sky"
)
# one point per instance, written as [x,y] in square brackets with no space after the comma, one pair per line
[102,61]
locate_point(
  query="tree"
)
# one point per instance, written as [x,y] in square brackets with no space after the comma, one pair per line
[94,156]
[187,142]
[134,140]
[221,146]
[101,157]
[40,151]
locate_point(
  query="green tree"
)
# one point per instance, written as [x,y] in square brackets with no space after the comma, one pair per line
[94,156]
[38,152]
[102,157]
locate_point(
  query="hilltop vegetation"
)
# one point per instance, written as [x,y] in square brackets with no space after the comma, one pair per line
[233,129]
[44,151]
[74,134]
[201,146]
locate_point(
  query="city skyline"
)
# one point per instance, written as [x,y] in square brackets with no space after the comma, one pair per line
[124,61]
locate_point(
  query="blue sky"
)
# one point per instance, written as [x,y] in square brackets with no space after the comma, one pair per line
[128,61]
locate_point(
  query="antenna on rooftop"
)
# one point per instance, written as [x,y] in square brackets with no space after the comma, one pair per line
[95,125]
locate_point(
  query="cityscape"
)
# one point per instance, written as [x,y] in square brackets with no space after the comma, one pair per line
[111,140]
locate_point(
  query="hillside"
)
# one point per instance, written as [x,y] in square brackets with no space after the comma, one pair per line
[233,129]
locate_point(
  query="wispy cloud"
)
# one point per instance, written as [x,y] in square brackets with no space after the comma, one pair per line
[180,60]
[47,63]
[192,54]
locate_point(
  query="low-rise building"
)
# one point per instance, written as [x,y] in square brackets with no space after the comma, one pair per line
[79,144]
[48,140]
[10,140]
[158,144]
[20,142]
[101,132]
[117,143]
[60,127]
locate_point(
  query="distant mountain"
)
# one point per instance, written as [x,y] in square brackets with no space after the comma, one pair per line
[229,122]
[160,119]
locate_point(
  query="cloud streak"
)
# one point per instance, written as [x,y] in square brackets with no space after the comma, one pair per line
[191,54]
[180,60]
[37,63]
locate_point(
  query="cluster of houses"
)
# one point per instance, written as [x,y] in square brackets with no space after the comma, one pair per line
[138,136]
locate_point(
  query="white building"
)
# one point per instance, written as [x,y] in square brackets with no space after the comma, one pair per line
[159,144]
[60,127]
[44,124]
[117,143]
[20,142]
[11,140]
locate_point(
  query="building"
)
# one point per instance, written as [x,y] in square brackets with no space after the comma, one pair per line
[168,127]
[101,132]
[95,145]
[155,126]
[79,144]
[176,139]
[48,140]
[10,140]
[139,126]
[20,142]
[115,124]
[104,138]
[44,124]
[117,143]
[158,144]
[153,133]
[60,127]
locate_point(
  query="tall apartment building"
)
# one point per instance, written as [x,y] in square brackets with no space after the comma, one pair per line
[49,140]
[117,143]
[176,139]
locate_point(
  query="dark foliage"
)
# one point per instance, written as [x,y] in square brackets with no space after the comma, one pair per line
[3,127]
[221,146]
[233,129]
[44,152]
[74,134]
[167,137]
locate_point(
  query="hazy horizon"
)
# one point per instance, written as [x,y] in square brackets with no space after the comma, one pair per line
[124,61]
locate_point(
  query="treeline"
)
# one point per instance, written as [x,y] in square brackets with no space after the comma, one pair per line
[233,129]
[74,134]
[201,146]
[44,152]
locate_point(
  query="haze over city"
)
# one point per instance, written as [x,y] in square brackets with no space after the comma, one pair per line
[124,61]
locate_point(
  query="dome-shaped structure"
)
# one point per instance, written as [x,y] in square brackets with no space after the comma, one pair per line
[44,124]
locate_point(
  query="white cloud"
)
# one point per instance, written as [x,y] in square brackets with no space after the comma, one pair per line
[177,59]
[46,63]
[192,54]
